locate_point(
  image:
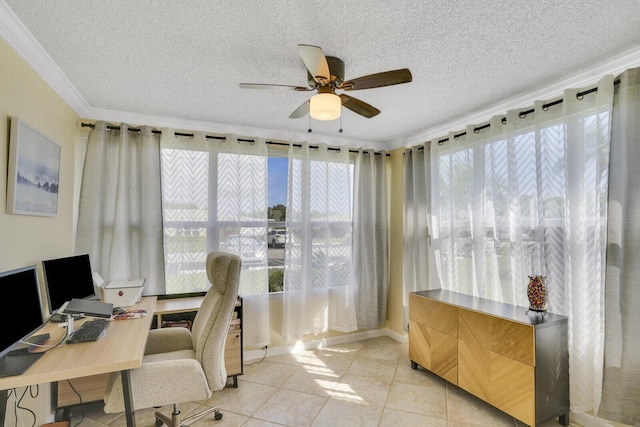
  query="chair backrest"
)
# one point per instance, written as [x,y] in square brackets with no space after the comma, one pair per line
[211,324]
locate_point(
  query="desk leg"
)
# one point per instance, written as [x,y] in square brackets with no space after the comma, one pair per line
[3,404]
[128,398]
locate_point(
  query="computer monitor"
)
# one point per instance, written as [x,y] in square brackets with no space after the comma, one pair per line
[67,278]
[22,316]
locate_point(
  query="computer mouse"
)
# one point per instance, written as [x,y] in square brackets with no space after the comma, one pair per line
[118,310]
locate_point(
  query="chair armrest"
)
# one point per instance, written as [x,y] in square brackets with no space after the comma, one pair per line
[165,340]
[159,383]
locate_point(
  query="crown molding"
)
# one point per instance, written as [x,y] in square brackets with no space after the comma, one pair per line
[13,31]
[614,66]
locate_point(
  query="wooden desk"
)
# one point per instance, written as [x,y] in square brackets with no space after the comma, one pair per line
[176,305]
[121,349]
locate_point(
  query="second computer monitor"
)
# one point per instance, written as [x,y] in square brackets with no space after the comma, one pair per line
[67,278]
[21,311]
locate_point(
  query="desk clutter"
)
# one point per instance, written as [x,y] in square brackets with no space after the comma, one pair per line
[177,324]
[235,322]
[129,314]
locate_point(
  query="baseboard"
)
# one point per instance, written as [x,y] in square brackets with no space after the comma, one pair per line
[250,355]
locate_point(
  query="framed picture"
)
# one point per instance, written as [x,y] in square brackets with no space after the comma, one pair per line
[34,171]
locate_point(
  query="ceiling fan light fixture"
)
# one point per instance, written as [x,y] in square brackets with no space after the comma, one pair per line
[325,106]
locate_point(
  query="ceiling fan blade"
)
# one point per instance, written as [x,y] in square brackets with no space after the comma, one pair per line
[301,111]
[359,107]
[273,86]
[315,61]
[386,78]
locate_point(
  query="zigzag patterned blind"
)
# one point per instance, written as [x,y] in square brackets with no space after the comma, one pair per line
[214,198]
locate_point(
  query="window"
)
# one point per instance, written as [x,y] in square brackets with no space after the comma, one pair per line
[277,173]
[212,200]
[185,217]
[503,210]
[198,218]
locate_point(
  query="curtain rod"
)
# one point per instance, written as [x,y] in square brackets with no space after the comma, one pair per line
[524,114]
[222,138]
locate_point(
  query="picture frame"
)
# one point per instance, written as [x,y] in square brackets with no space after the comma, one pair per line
[34,171]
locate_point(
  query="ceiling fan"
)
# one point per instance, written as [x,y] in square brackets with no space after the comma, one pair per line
[325,75]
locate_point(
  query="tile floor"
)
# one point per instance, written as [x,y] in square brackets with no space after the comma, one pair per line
[363,383]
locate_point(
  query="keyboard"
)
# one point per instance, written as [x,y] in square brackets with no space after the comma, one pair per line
[91,330]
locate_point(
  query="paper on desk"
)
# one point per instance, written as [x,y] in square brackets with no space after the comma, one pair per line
[130,314]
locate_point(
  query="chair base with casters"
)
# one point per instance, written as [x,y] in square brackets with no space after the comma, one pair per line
[176,421]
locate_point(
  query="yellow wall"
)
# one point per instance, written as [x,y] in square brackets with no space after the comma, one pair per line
[27,240]
[396,243]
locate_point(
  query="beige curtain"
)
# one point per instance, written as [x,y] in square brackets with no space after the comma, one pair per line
[120,217]
[621,388]
[370,238]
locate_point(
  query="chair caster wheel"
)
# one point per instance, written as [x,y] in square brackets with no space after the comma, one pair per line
[159,422]
[217,416]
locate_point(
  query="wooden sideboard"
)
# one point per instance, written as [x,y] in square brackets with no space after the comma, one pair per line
[511,359]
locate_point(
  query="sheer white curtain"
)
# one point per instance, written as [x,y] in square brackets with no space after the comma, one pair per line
[119,217]
[621,388]
[215,198]
[370,238]
[318,290]
[527,194]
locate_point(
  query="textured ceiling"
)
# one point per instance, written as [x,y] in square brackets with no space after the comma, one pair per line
[184,60]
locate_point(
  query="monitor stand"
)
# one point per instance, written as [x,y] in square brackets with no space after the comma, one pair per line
[17,363]
[58,318]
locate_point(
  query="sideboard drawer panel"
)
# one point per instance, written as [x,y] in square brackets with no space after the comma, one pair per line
[510,339]
[434,351]
[434,314]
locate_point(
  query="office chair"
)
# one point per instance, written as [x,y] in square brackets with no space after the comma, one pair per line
[180,365]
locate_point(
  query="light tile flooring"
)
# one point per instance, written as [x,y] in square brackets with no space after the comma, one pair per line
[363,383]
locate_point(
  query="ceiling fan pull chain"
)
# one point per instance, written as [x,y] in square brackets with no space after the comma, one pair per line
[340,130]
[309,130]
